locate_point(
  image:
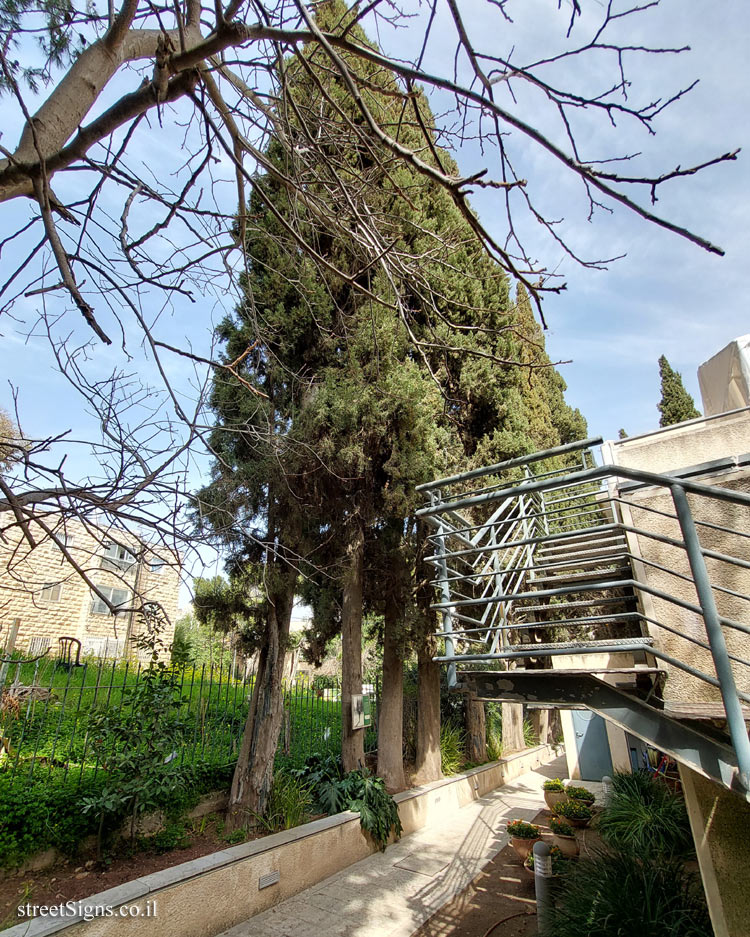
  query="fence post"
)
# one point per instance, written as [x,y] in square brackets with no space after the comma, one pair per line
[716,640]
[446,595]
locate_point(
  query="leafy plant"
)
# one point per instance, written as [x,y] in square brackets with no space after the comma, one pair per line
[560,827]
[523,830]
[451,748]
[579,793]
[645,818]
[620,896]
[554,785]
[572,810]
[173,836]
[560,863]
[529,735]
[289,802]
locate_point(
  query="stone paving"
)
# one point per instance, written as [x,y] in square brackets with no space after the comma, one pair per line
[393,893]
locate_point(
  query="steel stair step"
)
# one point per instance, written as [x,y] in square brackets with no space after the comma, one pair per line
[591,578]
[583,603]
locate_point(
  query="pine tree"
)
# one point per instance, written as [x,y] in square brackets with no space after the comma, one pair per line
[676,404]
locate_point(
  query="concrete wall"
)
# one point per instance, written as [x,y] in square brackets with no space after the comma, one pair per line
[674,449]
[24,572]
[720,822]
[208,895]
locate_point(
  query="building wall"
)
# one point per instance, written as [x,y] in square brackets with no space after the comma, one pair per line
[672,449]
[24,572]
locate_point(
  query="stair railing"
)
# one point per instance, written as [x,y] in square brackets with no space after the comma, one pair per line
[530,526]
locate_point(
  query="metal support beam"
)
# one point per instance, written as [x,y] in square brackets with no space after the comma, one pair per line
[705,755]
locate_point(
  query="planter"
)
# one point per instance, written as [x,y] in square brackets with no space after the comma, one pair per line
[554,797]
[579,822]
[523,846]
[568,845]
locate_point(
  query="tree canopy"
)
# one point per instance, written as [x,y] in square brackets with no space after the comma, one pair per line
[676,404]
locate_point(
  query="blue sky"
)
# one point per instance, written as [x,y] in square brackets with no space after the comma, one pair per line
[666,296]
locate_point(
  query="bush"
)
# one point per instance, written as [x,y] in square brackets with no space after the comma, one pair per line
[554,785]
[645,818]
[560,827]
[289,802]
[572,810]
[579,793]
[621,896]
[451,748]
[523,830]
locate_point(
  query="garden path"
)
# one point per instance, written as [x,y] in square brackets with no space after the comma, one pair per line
[391,894]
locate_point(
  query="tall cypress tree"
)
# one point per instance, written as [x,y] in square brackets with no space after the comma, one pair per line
[676,404]
[357,386]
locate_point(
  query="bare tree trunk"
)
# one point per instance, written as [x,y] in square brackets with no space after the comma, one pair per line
[391,715]
[254,772]
[476,729]
[428,767]
[540,722]
[513,728]
[352,740]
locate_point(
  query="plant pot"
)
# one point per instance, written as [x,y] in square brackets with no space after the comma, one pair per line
[554,797]
[579,822]
[523,846]
[568,845]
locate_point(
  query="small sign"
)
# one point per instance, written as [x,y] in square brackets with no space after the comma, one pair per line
[361,711]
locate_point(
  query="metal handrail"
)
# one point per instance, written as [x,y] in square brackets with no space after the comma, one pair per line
[531,491]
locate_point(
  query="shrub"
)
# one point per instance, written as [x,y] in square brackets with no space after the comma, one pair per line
[560,827]
[554,785]
[621,896]
[645,818]
[523,830]
[451,748]
[289,803]
[572,810]
[579,793]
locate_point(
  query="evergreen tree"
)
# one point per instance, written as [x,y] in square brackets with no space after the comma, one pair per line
[676,404]
[355,390]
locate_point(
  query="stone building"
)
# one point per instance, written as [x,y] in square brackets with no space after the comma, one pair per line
[46,591]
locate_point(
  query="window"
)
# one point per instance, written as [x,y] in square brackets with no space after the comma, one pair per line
[117,556]
[51,592]
[115,596]
[155,564]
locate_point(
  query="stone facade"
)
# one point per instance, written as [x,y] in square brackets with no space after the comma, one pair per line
[42,589]
[712,451]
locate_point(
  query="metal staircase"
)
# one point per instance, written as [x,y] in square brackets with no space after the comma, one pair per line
[548,596]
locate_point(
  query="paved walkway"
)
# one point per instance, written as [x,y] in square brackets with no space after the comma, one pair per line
[393,893]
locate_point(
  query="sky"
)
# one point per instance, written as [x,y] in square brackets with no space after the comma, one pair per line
[666,296]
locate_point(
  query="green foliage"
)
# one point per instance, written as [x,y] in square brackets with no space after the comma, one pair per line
[520,829]
[572,810]
[621,896]
[289,802]
[676,404]
[529,735]
[554,785]
[359,791]
[645,818]
[173,836]
[560,863]
[581,794]
[452,745]
[136,743]
[560,827]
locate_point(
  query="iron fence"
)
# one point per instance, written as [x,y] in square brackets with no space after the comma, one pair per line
[48,709]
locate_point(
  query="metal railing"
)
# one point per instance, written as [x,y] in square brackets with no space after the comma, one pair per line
[575,562]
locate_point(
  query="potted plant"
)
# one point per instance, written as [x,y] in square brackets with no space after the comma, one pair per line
[559,861]
[523,835]
[575,812]
[581,794]
[554,792]
[564,837]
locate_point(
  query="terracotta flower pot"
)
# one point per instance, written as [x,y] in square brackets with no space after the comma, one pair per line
[579,822]
[554,797]
[568,845]
[523,846]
